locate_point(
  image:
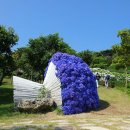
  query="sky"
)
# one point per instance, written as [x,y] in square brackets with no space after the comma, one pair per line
[83,24]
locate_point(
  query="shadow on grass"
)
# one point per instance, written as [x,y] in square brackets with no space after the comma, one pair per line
[6,95]
[103,105]
[6,99]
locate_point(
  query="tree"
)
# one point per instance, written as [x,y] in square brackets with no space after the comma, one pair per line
[100,60]
[22,65]
[41,49]
[86,56]
[33,59]
[8,39]
[122,52]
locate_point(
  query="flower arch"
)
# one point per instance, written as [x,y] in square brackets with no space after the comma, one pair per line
[78,84]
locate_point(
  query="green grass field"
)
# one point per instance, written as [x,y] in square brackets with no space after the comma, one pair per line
[112,102]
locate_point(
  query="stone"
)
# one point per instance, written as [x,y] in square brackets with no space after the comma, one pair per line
[93,128]
[65,128]
[27,122]
[36,106]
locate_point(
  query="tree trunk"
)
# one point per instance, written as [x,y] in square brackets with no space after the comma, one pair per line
[1,76]
[126,80]
[31,75]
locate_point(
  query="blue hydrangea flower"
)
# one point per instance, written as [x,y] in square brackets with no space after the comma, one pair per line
[78,84]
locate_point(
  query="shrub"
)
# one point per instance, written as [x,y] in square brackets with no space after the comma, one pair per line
[44,93]
[59,110]
[112,82]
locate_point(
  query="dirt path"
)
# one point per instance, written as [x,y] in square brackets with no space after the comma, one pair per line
[95,123]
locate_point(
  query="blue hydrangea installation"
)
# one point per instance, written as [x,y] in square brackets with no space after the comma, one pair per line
[78,84]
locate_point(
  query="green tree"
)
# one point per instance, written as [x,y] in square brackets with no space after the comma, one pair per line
[102,59]
[41,49]
[122,52]
[33,59]
[8,39]
[86,56]
[99,61]
[22,65]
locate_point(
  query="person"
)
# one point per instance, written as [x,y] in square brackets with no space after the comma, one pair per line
[107,77]
[97,79]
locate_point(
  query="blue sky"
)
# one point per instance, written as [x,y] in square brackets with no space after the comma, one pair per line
[84,24]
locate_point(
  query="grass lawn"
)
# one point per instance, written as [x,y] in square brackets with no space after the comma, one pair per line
[6,98]
[113,102]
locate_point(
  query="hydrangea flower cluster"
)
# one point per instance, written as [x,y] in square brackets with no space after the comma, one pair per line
[78,84]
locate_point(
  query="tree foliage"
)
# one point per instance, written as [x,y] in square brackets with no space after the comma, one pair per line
[33,59]
[122,50]
[102,59]
[121,58]
[8,39]
[86,56]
